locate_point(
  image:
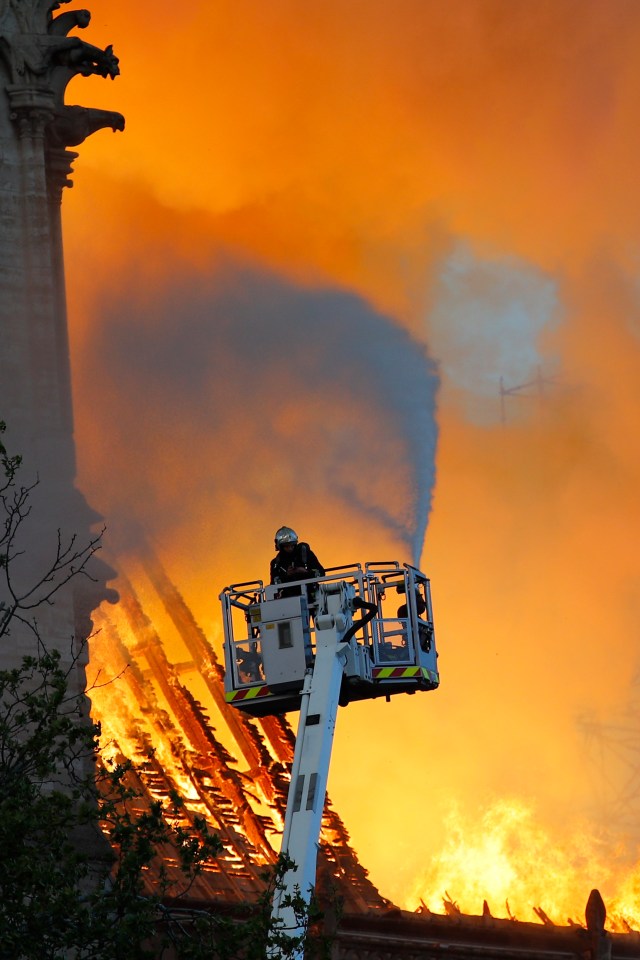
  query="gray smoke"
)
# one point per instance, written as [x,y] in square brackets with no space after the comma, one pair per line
[275,391]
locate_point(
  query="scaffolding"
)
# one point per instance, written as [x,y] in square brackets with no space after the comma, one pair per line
[536,389]
[613,748]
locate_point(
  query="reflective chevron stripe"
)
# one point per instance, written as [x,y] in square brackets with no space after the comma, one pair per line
[379,673]
[403,673]
[249,693]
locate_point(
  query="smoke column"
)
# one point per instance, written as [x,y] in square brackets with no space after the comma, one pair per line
[299,400]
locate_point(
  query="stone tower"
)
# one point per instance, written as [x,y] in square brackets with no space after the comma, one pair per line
[40,53]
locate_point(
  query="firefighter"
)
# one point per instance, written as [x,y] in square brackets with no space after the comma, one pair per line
[294,560]
[425,630]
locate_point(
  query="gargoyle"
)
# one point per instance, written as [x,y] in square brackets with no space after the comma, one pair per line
[75,57]
[72,125]
[84,58]
[31,53]
[62,24]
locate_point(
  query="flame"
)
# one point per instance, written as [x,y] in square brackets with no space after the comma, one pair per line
[140,723]
[127,724]
[504,856]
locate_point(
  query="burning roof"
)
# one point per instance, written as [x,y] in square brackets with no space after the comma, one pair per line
[160,702]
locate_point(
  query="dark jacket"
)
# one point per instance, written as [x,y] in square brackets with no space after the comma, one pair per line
[301,557]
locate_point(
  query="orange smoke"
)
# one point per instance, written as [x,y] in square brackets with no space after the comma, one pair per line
[360,149]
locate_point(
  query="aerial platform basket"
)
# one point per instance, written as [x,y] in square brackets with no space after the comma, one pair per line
[382,612]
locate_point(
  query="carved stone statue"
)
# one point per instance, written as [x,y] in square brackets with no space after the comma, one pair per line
[72,125]
[67,21]
[596,915]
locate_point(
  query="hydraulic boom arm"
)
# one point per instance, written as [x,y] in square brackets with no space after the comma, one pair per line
[299,649]
[314,741]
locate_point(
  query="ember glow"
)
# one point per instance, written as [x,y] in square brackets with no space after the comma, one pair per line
[306,212]
[528,869]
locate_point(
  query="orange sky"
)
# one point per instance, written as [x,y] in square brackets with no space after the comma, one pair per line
[459,178]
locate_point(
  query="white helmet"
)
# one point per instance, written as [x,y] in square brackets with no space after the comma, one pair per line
[285,535]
